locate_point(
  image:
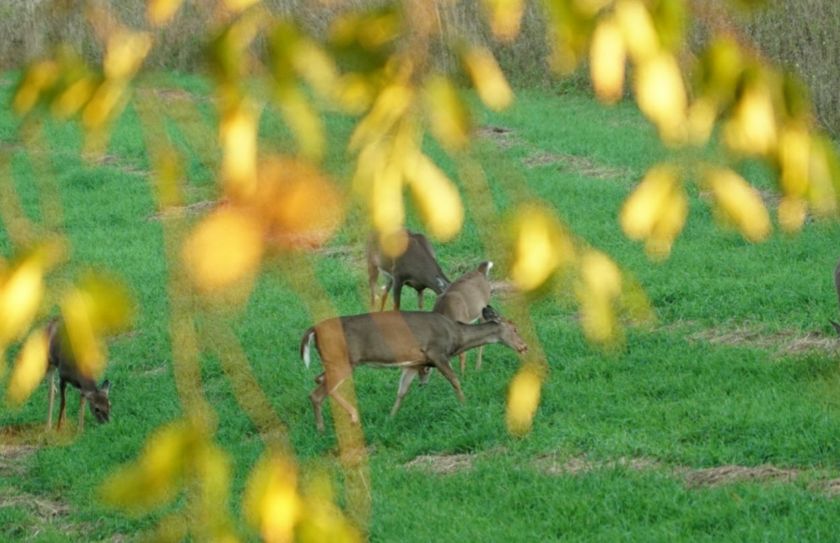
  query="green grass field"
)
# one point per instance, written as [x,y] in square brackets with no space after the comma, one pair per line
[720,422]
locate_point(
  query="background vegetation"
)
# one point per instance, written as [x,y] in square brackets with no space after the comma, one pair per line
[799,34]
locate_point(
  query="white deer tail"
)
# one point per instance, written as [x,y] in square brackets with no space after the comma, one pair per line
[306,345]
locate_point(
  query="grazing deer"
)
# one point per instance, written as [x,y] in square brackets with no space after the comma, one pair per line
[837,287]
[415,267]
[464,301]
[408,340]
[61,360]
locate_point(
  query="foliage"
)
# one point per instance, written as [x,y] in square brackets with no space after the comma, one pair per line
[374,64]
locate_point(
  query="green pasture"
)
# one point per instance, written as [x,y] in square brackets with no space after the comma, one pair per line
[720,422]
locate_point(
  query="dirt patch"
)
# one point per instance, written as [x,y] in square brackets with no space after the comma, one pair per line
[503,137]
[578,164]
[195,208]
[45,509]
[442,463]
[118,163]
[726,475]
[578,465]
[781,341]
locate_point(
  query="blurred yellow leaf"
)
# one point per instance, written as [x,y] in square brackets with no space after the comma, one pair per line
[656,210]
[302,120]
[540,247]
[238,138]
[505,17]
[21,292]
[739,203]
[752,129]
[598,292]
[639,31]
[436,196]
[487,77]
[125,52]
[794,160]
[607,58]
[448,116]
[239,5]
[224,249]
[153,479]
[30,367]
[661,95]
[106,101]
[523,400]
[89,352]
[321,519]
[387,208]
[701,120]
[301,206]
[391,104]
[271,502]
[39,77]
[160,12]
[73,98]
[792,213]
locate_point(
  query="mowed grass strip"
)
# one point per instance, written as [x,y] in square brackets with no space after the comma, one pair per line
[617,436]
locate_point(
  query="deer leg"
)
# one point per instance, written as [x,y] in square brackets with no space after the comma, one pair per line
[81,425]
[463,358]
[408,375]
[388,284]
[478,358]
[51,384]
[354,414]
[398,284]
[317,398]
[420,298]
[63,390]
[444,367]
[373,275]
[425,373]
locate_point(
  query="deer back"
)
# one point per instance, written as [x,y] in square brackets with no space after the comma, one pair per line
[464,300]
[416,266]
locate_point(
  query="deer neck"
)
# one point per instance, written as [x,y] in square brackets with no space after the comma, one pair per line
[475,335]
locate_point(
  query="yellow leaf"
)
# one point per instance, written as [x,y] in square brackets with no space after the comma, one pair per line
[701,120]
[105,103]
[391,105]
[642,210]
[661,95]
[160,12]
[739,203]
[387,208]
[39,77]
[794,160]
[448,116]
[125,52]
[792,212]
[303,121]
[20,296]
[607,58]
[74,97]
[436,197]
[30,367]
[540,247]
[78,312]
[239,5]
[505,17]
[238,138]
[639,31]
[224,249]
[669,224]
[824,173]
[271,500]
[523,400]
[598,292]
[752,128]
[489,81]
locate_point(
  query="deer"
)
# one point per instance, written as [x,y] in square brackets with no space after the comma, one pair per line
[835,324]
[465,300]
[410,340]
[60,359]
[415,267]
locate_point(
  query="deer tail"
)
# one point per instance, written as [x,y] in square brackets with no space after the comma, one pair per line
[306,345]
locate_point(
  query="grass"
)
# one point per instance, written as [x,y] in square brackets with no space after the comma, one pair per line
[740,370]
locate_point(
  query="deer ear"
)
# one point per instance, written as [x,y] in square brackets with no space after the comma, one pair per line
[105,387]
[490,314]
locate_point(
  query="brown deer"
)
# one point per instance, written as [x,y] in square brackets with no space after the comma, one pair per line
[409,340]
[415,267]
[464,301]
[837,288]
[61,360]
